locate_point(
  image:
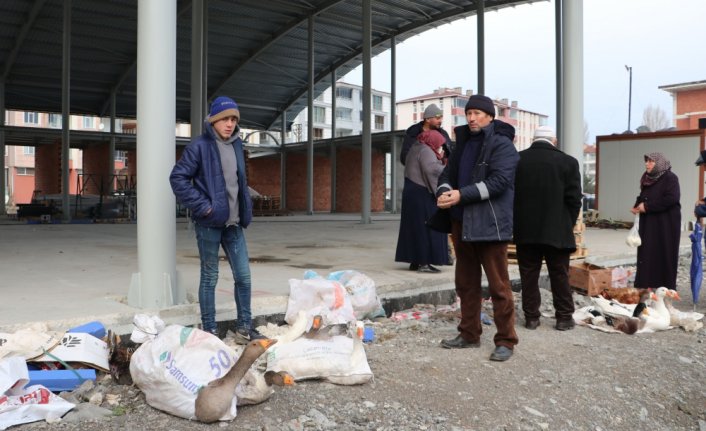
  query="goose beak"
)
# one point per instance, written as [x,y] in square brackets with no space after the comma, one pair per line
[266,342]
[288,380]
[674,295]
[653,296]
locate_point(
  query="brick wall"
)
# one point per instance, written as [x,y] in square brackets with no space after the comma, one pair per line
[47,168]
[296,182]
[264,175]
[691,101]
[97,171]
[687,102]
[349,182]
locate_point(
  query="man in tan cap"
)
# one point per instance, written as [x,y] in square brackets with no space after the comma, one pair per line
[433,116]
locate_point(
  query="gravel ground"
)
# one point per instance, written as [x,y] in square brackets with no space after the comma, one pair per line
[575,380]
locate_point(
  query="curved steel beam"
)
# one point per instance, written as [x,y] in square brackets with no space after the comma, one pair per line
[458,14]
[24,31]
[268,43]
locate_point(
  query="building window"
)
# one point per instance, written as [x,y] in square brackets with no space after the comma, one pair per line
[121,156]
[88,122]
[344,93]
[377,103]
[414,106]
[31,118]
[318,133]
[379,122]
[421,106]
[441,104]
[55,121]
[28,151]
[460,103]
[513,113]
[344,114]
[25,171]
[343,132]
[319,114]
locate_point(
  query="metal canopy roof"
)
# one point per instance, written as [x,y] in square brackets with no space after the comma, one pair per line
[257,50]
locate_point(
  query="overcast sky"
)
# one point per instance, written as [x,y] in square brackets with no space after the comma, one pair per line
[663,41]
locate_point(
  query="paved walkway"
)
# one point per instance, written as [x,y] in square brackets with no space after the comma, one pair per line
[69,274]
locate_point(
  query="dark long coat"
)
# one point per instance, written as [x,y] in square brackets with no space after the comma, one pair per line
[547,197]
[660,227]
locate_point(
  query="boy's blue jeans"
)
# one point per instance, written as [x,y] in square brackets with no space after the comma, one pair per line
[232,239]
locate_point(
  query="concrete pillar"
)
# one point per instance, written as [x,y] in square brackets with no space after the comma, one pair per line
[155,286]
[572,103]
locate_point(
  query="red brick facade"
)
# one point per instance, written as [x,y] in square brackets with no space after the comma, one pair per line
[693,101]
[47,168]
[264,177]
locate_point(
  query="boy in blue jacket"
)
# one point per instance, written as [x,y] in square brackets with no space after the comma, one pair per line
[210,181]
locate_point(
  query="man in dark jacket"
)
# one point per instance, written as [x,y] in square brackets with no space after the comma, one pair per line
[547,204]
[210,181]
[477,186]
[432,121]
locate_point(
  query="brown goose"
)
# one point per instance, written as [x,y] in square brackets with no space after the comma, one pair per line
[280,378]
[214,399]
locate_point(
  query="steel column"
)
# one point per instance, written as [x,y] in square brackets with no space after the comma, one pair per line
[283,163]
[310,121]
[197,67]
[480,15]
[332,153]
[65,112]
[393,124]
[366,151]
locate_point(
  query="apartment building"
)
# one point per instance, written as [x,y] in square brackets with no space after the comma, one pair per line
[452,102]
[349,113]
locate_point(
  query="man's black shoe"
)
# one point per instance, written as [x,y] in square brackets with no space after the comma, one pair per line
[564,325]
[428,269]
[457,343]
[531,323]
[413,266]
[501,354]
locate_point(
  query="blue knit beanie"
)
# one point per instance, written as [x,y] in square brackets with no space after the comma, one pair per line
[483,103]
[223,107]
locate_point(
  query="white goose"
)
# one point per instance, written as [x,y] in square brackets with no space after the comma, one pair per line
[613,308]
[658,317]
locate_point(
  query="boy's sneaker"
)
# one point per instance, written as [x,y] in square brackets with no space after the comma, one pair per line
[245,335]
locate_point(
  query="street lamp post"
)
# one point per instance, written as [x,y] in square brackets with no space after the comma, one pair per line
[629,69]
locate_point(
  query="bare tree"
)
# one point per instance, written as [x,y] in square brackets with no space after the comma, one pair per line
[655,118]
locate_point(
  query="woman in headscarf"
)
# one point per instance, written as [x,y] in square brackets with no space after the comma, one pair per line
[660,224]
[417,244]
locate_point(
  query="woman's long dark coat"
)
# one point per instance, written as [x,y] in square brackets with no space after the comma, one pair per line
[660,231]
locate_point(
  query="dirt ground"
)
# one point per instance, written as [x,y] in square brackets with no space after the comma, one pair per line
[575,380]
